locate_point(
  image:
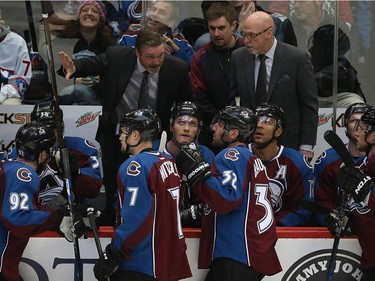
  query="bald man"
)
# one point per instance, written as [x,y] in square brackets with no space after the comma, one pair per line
[289,82]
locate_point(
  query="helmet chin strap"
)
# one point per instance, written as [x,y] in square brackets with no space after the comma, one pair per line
[368,144]
[175,143]
[129,145]
[40,166]
[226,144]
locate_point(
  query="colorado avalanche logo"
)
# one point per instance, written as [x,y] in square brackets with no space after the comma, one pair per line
[277,190]
[90,144]
[24,175]
[134,169]
[232,154]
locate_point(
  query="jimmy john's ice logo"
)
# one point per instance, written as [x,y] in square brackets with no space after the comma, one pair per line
[313,267]
[86,118]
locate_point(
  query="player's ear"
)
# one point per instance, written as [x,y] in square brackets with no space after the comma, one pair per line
[234,133]
[371,138]
[278,132]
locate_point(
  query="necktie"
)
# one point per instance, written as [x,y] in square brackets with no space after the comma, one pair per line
[144,92]
[261,90]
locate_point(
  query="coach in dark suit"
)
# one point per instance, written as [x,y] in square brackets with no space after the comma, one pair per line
[121,72]
[289,81]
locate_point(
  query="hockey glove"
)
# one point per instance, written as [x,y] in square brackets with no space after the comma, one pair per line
[355,183]
[84,210]
[108,263]
[75,229]
[191,163]
[73,163]
[339,227]
[192,216]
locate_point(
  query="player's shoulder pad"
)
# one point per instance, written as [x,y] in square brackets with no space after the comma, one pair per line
[299,159]
[327,156]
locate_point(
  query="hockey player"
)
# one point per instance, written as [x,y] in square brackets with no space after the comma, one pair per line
[15,66]
[149,236]
[290,173]
[327,165]
[185,126]
[21,217]
[239,234]
[83,162]
[360,188]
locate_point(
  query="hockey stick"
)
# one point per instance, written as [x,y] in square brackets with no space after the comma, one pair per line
[314,207]
[30,18]
[95,232]
[78,276]
[163,141]
[336,143]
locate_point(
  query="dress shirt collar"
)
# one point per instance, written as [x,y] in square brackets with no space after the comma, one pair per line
[140,68]
[271,52]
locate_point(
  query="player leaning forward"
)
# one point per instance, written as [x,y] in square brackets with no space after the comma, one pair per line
[148,243]
[238,234]
[21,217]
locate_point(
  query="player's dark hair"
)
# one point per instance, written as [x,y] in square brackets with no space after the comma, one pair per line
[149,38]
[221,9]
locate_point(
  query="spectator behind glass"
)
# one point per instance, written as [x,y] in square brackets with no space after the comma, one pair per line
[283,30]
[95,36]
[161,18]
[15,66]
[56,23]
[210,67]
[287,8]
[308,16]
[321,54]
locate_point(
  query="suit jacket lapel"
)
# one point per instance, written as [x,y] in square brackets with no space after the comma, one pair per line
[128,69]
[278,64]
[248,72]
[162,86]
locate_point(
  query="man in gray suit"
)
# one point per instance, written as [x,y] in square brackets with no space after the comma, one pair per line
[289,81]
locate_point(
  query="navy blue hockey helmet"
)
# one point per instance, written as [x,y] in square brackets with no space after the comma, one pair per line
[271,110]
[33,138]
[186,108]
[237,117]
[358,107]
[44,112]
[144,120]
